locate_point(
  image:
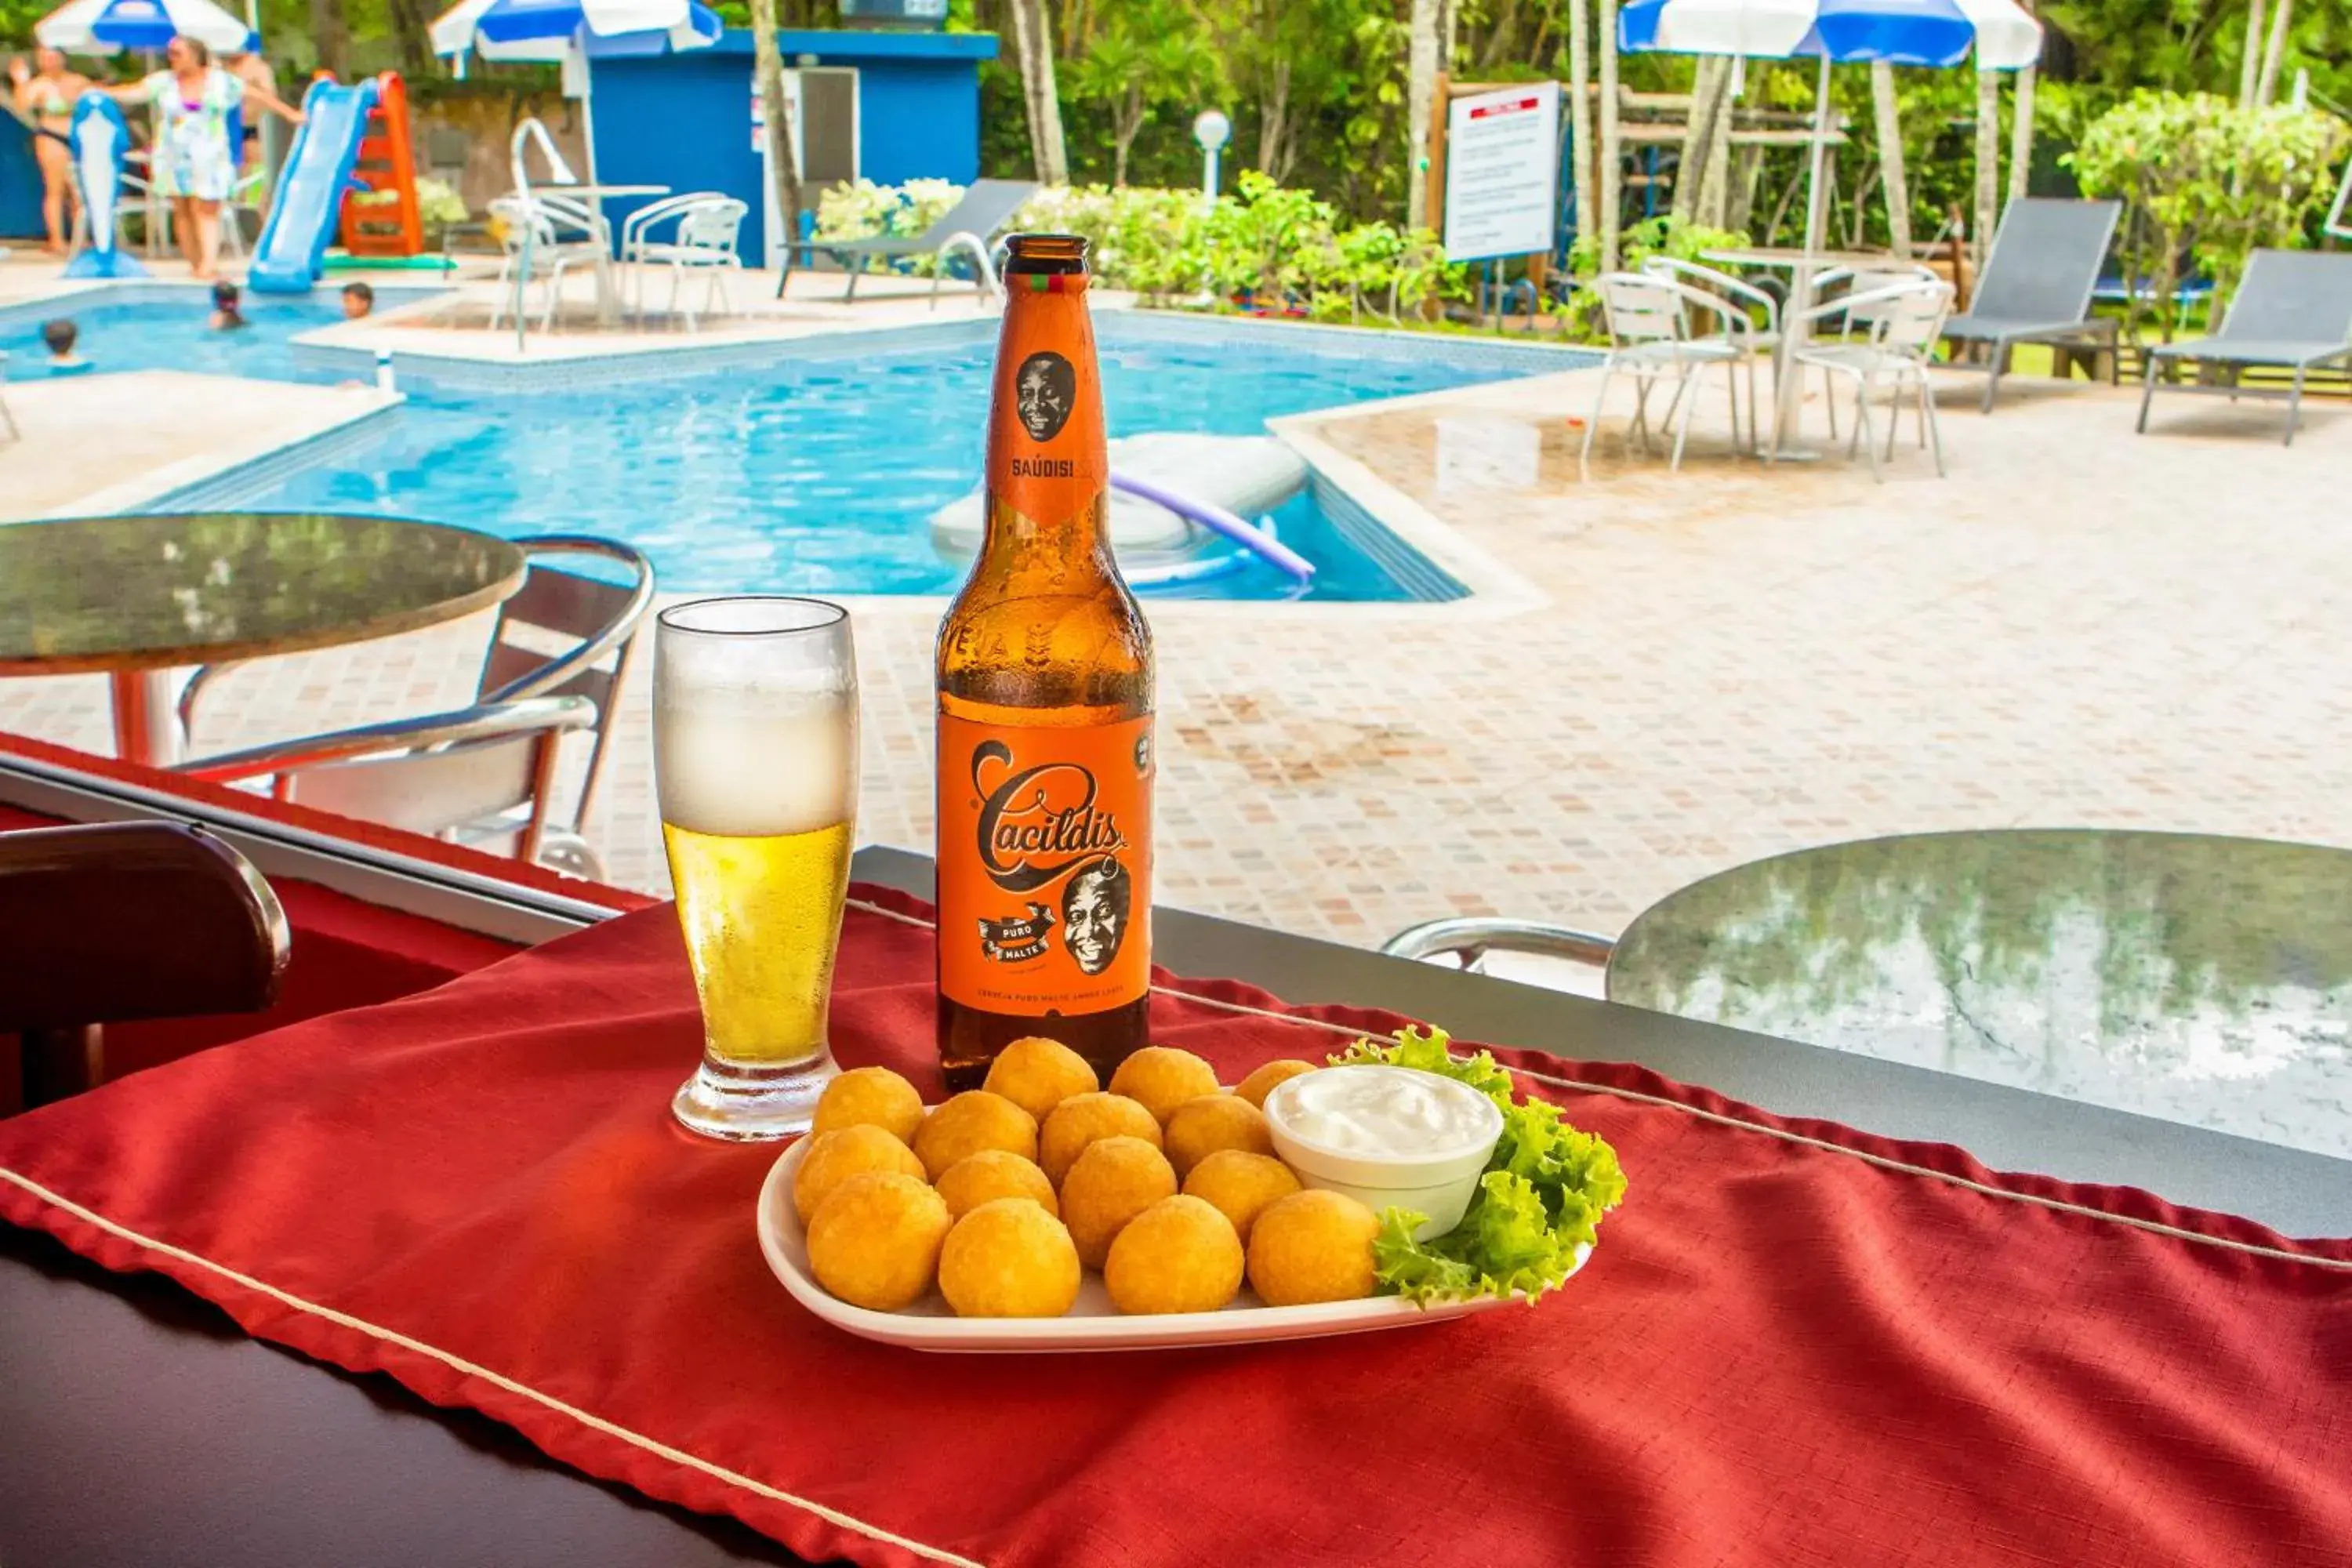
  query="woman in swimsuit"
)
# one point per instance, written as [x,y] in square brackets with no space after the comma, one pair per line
[48,94]
[195,164]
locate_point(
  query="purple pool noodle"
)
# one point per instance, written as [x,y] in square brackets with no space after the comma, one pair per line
[1218,519]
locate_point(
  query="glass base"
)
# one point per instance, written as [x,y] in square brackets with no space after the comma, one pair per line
[746,1104]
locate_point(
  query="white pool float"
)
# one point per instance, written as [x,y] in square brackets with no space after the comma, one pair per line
[1247,475]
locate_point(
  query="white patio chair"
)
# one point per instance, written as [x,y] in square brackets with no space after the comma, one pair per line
[245,196]
[637,231]
[1648,318]
[705,234]
[563,234]
[1739,297]
[1848,288]
[1904,323]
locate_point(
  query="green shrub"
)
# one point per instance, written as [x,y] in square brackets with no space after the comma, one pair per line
[1276,247]
[2207,180]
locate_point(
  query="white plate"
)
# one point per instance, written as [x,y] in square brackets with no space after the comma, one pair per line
[1093,1324]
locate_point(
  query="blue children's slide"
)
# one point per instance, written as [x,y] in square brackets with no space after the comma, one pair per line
[293,246]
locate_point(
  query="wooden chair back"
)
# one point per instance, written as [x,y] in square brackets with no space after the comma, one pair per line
[107,923]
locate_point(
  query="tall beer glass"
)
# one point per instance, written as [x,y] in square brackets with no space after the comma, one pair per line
[755,759]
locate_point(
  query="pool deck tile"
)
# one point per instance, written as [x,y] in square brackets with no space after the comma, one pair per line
[109,442]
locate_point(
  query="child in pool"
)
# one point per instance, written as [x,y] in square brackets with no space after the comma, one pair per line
[60,336]
[359,301]
[226,316]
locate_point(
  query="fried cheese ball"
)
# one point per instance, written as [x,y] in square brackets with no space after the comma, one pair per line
[1240,1185]
[1261,1083]
[1115,1180]
[1200,1127]
[1178,1256]
[869,1097]
[1037,1074]
[1084,1118]
[1312,1245]
[833,1157]
[994,1173]
[1008,1258]
[875,1241]
[1163,1078]
[973,1120]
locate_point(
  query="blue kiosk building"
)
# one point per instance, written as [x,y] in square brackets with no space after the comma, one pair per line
[884,106]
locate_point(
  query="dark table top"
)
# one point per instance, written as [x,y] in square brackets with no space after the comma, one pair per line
[82,595]
[138,1427]
[2203,980]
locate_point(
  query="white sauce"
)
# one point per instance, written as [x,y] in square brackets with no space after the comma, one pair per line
[1385,1111]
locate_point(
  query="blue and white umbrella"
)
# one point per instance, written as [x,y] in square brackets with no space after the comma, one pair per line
[102,26]
[553,29]
[572,32]
[2000,34]
[1842,32]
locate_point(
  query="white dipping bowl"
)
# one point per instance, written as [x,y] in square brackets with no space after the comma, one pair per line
[1438,1180]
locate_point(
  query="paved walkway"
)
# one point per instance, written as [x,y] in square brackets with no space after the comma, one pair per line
[2078,626]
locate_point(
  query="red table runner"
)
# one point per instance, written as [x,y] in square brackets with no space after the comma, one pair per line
[1796,1344]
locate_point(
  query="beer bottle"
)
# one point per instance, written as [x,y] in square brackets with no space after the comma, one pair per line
[1045,716]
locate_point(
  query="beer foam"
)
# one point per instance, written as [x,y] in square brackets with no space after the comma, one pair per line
[750,763]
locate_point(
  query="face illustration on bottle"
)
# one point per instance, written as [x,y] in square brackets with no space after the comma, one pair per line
[1094,914]
[1044,390]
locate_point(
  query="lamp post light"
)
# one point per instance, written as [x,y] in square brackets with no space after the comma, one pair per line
[1211,130]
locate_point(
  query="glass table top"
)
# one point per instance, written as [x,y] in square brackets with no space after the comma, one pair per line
[2202,980]
[141,593]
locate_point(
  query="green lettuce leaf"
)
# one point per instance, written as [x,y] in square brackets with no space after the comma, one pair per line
[1539,1203]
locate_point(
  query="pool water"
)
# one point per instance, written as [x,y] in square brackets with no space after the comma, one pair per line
[169,335]
[808,474]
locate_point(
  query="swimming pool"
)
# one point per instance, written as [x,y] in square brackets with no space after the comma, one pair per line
[815,469]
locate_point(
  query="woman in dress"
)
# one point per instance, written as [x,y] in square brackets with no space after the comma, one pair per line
[46,94]
[194,164]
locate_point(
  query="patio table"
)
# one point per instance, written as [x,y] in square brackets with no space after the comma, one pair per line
[2201,979]
[144,1427]
[1792,256]
[608,295]
[134,598]
[1803,265]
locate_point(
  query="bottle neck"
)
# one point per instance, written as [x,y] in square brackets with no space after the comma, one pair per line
[1048,469]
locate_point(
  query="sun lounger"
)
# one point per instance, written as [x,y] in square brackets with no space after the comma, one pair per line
[2037,283]
[985,206]
[2292,311]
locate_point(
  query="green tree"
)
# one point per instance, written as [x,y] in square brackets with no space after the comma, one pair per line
[1149,55]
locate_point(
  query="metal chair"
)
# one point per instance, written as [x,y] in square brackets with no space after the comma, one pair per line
[705,233]
[985,206]
[249,194]
[1739,297]
[1648,318]
[1469,940]
[2292,311]
[602,620]
[118,922]
[637,232]
[1903,324]
[2037,284]
[563,235]
[606,618]
[462,775]
[1851,287]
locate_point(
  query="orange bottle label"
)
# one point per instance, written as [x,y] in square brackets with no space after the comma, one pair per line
[1045,445]
[1044,865]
